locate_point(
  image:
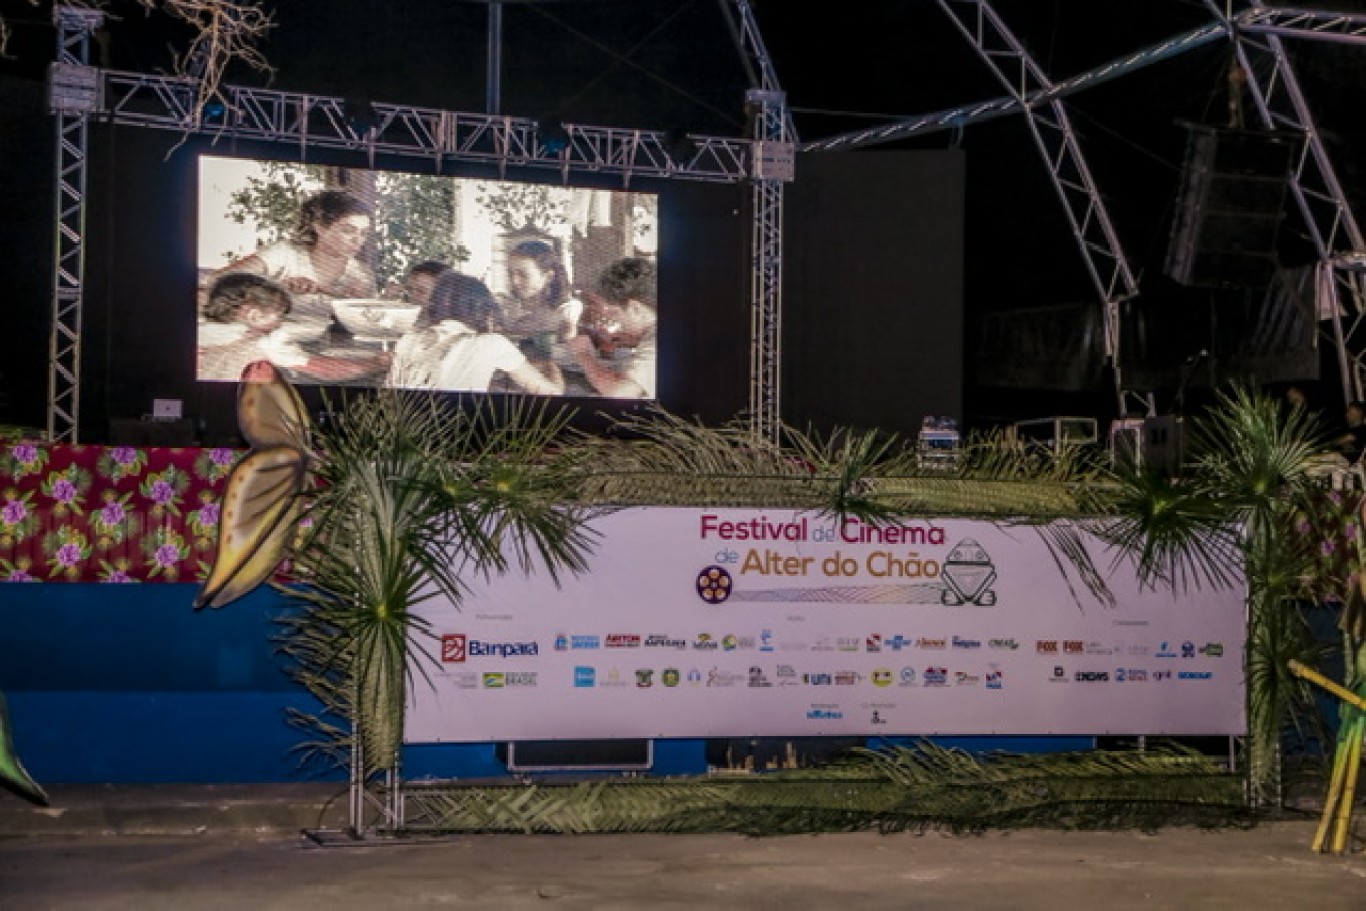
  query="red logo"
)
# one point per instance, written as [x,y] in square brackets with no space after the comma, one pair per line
[453,647]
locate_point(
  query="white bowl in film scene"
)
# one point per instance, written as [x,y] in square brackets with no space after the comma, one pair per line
[375,318]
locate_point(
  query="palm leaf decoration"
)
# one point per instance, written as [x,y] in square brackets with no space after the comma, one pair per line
[413,495]
[890,789]
[1254,468]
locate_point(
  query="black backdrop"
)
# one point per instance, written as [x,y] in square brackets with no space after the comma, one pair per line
[873,289]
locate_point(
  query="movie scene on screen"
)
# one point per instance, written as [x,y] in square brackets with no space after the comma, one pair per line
[354,277]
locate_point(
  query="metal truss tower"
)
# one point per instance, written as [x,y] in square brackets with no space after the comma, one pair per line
[774,158]
[73,97]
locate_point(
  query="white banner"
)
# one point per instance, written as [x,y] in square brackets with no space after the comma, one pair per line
[735,623]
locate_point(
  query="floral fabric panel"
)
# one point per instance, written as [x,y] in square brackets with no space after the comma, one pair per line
[109,513]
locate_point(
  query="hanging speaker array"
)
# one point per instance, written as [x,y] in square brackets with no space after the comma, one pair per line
[1230,206]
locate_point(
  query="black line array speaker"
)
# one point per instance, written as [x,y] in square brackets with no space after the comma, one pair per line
[1230,207]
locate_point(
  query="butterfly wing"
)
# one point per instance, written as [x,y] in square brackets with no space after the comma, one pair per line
[262,503]
[13,775]
[269,410]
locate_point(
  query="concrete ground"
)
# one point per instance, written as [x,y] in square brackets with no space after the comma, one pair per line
[235,847]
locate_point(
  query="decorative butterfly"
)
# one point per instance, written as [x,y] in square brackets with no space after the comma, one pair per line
[263,499]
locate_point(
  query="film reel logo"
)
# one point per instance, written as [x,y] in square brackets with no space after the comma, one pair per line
[713,584]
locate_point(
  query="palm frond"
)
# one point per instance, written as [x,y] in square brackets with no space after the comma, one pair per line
[412,494]
[889,789]
[1170,533]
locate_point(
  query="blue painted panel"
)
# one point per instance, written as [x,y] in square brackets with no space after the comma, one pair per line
[136,637]
[135,738]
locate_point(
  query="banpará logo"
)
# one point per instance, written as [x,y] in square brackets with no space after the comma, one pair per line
[459,647]
[481,649]
[453,647]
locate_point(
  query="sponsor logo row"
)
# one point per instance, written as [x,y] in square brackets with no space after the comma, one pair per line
[786,675]
[459,647]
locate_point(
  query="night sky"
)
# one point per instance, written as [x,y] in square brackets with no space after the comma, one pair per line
[665,64]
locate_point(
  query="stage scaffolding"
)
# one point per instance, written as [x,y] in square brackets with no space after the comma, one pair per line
[78,92]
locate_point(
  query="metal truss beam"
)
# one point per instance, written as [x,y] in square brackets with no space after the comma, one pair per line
[1293,23]
[1057,142]
[433,135]
[1013,104]
[1319,25]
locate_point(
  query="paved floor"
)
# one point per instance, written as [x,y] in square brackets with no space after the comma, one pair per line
[221,849]
[1267,867]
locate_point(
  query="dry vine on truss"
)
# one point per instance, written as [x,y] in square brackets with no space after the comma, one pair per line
[224,31]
